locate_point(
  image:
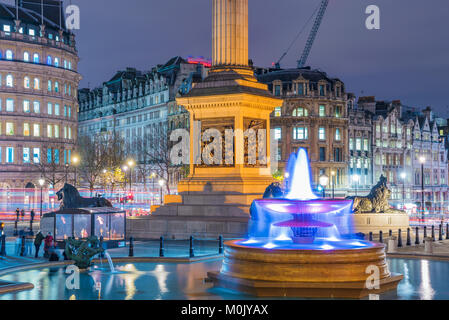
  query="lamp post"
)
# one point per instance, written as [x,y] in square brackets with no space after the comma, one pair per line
[422,159]
[131,165]
[403,176]
[324,180]
[161,184]
[75,161]
[356,179]
[333,184]
[153,175]
[125,168]
[66,172]
[41,184]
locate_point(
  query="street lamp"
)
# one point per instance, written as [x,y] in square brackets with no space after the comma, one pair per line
[131,165]
[75,161]
[66,172]
[422,159]
[41,184]
[333,184]
[324,180]
[153,175]
[403,176]
[161,184]
[356,179]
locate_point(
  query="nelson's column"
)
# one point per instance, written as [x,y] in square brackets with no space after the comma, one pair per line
[215,198]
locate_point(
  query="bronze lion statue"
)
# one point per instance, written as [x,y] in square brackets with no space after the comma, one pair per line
[71,199]
[376,201]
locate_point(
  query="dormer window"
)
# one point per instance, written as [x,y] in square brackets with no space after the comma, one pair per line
[277,90]
[322,90]
[300,112]
[7,28]
[31,32]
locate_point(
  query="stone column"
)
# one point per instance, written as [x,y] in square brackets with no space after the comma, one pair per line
[230,33]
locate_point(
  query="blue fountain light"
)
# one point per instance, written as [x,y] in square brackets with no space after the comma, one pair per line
[301,220]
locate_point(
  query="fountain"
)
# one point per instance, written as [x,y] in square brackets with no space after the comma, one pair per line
[303,246]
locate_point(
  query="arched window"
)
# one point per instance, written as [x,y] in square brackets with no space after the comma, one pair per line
[26,56]
[26,82]
[49,60]
[56,62]
[9,81]
[8,55]
[49,85]
[56,86]
[300,112]
[37,85]
[36,58]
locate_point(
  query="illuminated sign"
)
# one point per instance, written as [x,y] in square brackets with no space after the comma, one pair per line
[200,60]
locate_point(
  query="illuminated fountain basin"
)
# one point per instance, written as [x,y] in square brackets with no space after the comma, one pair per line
[303,246]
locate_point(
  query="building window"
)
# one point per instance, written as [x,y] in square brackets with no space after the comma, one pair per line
[322,154]
[49,108]
[26,106]
[277,90]
[365,144]
[300,112]
[36,155]
[56,156]
[56,131]
[9,155]
[31,32]
[26,155]
[337,111]
[322,111]
[26,57]
[9,81]
[49,156]
[300,89]
[337,134]
[9,128]
[338,155]
[7,28]
[56,62]
[9,55]
[322,133]
[301,133]
[10,105]
[26,129]
[49,131]
[277,133]
[37,107]
[351,144]
[57,113]
[321,90]
[36,130]
[358,144]
[56,86]
[49,60]
[35,58]
[49,86]
[277,111]
[36,84]
[26,82]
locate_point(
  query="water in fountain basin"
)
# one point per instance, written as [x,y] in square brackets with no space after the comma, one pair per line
[111,265]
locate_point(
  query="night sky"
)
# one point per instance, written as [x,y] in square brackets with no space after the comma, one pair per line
[407,59]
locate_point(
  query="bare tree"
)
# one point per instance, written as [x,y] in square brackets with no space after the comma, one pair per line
[53,173]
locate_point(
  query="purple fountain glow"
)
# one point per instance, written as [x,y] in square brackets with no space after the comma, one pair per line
[301,220]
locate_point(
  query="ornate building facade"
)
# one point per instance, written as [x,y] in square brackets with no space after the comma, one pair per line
[38,95]
[314,116]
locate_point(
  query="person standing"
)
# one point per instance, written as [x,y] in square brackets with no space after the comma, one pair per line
[17,214]
[23,214]
[32,214]
[38,242]
[48,242]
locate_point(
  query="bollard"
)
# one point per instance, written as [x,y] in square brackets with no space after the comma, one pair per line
[425,234]
[391,245]
[399,238]
[409,239]
[433,233]
[161,247]
[3,246]
[22,247]
[390,233]
[447,231]
[220,244]
[101,246]
[131,247]
[192,253]
[428,248]
[370,236]
[440,236]
[381,236]
[417,235]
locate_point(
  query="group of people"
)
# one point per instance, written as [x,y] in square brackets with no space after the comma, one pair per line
[48,241]
[21,213]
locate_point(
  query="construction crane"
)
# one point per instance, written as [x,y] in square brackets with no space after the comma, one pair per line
[313,33]
[321,9]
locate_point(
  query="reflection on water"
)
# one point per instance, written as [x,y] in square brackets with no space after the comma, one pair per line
[423,279]
[151,281]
